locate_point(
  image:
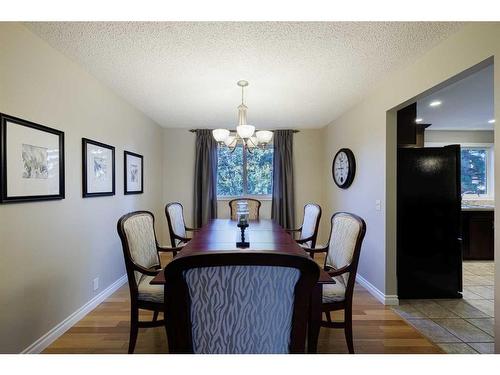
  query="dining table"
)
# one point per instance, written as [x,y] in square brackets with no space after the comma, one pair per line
[262,235]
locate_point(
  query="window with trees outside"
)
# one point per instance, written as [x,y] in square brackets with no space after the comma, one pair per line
[476,171]
[241,173]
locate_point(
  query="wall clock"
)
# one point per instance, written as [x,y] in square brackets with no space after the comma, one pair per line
[343,168]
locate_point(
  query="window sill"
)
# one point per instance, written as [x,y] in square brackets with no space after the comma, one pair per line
[474,197]
[258,197]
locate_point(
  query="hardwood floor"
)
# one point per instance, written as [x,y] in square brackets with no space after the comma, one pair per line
[377,329]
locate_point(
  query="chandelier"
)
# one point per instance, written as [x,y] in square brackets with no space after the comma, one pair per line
[245,134]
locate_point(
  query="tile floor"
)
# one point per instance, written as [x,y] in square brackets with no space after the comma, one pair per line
[458,326]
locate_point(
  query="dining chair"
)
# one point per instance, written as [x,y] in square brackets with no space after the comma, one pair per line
[142,262]
[253,208]
[237,302]
[309,228]
[341,263]
[176,224]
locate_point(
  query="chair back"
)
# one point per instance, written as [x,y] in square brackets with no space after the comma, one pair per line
[176,224]
[238,302]
[253,208]
[344,246]
[310,223]
[136,231]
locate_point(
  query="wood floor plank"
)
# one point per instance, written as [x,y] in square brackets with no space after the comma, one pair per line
[376,329]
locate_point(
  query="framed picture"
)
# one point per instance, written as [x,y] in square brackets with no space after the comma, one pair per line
[134,178]
[98,169]
[31,160]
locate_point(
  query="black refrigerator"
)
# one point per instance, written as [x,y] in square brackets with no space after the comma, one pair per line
[429,253]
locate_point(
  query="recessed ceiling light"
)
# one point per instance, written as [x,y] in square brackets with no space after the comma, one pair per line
[492,121]
[435,103]
[418,120]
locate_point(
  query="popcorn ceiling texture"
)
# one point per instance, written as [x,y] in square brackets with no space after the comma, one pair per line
[301,74]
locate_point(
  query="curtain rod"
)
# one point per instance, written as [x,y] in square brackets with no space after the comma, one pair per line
[295,131]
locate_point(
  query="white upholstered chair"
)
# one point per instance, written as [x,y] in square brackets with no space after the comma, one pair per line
[309,228]
[341,263]
[176,225]
[239,303]
[142,261]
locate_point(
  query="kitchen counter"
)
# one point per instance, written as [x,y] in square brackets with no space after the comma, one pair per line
[478,208]
[478,204]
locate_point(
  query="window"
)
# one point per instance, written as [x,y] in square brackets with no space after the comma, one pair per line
[476,173]
[240,173]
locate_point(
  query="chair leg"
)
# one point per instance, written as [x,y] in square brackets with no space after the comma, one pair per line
[348,329]
[155,316]
[134,328]
[328,316]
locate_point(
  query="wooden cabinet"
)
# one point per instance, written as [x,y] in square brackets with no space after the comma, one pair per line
[477,235]
[410,133]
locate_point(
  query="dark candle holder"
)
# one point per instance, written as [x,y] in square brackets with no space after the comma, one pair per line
[242,224]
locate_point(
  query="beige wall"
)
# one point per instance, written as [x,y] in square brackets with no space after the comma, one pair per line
[369,129]
[223,211]
[453,136]
[178,154]
[356,130]
[178,170]
[51,251]
[309,166]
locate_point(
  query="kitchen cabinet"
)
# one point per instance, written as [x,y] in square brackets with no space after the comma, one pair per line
[410,133]
[477,235]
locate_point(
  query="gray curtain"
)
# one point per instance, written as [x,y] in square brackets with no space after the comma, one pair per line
[283,204]
[205,178]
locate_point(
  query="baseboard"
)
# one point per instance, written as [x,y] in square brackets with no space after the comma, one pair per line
[385,299]
[39,345]
[43,342]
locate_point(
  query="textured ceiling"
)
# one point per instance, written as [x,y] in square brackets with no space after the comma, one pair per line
[466,104]
[184,74]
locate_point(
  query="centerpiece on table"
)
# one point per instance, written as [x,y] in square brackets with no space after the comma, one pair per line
[242,214]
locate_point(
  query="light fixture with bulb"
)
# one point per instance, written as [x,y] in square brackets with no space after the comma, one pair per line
[435,103]
[417,120]
[492,121]
[245,134]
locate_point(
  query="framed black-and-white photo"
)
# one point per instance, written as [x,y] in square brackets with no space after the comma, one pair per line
[32,161]
[134,178]
[98,169]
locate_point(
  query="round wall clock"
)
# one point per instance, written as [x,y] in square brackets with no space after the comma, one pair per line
[343,168]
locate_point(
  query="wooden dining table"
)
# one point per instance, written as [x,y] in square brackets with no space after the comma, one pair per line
[263,235]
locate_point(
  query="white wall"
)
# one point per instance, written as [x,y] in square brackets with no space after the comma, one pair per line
[51,251]
[453,136]
[179,154]
[369,129]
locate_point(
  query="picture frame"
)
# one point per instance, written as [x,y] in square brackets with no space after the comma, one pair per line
[98,169]
[133,172]
[31,160]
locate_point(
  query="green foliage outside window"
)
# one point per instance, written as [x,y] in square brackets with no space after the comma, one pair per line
[240,173]
[230,172]
[260,171]
[474,167]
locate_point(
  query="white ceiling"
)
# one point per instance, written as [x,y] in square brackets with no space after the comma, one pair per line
[466,104]
[184,74]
